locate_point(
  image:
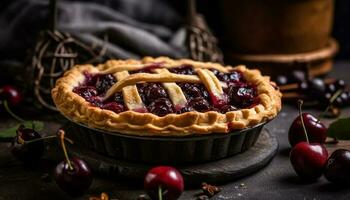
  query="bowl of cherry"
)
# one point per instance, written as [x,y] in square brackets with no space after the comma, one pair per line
[73,175]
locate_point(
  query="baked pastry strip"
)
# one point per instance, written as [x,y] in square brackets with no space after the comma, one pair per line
[174,91]
[146,77]
[118,67]
[213,85]
[131,96]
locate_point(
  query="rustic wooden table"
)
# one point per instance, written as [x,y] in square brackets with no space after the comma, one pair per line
[276,181]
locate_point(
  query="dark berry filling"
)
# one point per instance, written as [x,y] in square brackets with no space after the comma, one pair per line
[87,92]
[238,93]
[150,92]
[161,107]
[113,106]
[199,104]
[118,97]
[219,102]
[185,109]
[192,90]
[90,79]
[104,82]
[185,69]
[93,89]
[233,76]
[228,108]
[242,95]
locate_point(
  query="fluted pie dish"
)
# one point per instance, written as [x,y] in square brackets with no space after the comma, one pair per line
[165,97]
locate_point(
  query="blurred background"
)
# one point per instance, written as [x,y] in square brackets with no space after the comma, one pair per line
[21,20]
[340,29]
[40,39]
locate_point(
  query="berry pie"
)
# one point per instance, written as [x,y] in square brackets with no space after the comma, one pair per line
[165,97]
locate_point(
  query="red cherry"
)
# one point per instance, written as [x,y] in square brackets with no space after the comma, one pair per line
[28,153]
[337,167]
[73,181]
[316,131]
[72,175]
[308,160]
[11,95]
[168,179]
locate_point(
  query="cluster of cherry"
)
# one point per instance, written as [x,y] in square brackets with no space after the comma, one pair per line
[309,157]
[315,89]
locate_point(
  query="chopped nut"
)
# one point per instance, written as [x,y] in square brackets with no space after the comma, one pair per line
[210,190]
[103,196]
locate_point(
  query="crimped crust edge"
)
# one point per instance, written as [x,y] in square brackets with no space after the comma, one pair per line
[77,109]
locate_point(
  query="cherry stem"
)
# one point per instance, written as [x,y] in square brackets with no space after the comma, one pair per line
[331,100]
[160,193]
[61,133]
[300,103]
[69,140]
[7,108]
[38,139]
[46,138]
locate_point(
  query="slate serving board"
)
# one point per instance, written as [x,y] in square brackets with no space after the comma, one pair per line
[220,171]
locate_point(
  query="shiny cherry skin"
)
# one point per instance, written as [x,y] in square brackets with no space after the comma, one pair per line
[297,76]
[316,131]
[281,80]
[11,94]
[337,167]
[342,100]
[28,153]
[74,182]
[316,88]
[308,160]
[340,84]
[303,87]
[331,88]
[168,178]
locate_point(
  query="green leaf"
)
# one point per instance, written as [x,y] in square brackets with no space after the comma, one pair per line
[37,125]
[8,134]
[340,129]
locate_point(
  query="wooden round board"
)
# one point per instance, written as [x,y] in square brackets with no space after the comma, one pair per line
[223,170]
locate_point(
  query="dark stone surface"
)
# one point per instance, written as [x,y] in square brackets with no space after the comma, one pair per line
[276,181]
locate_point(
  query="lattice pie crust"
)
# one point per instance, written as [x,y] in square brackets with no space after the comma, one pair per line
[77,109]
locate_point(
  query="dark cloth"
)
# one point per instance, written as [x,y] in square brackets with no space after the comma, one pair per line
[134,28]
